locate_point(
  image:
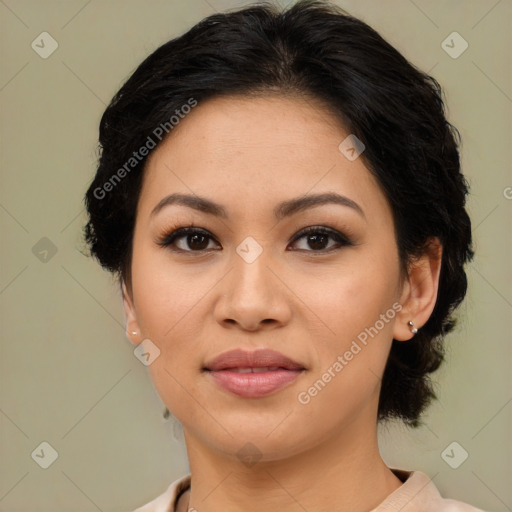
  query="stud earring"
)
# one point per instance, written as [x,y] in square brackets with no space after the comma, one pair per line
[133,333]
[414,330]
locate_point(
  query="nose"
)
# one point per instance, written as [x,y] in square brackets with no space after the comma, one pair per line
[253,296]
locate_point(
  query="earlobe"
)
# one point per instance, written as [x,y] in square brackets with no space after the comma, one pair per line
[132,326]
[419,293]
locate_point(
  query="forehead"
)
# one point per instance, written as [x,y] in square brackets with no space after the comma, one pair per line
[224,128]
[244,149]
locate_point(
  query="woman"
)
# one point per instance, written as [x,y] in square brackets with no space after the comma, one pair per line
[280,196]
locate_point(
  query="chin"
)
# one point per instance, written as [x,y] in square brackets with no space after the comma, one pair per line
[266,436]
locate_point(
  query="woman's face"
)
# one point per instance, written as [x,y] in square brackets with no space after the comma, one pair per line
[248,279]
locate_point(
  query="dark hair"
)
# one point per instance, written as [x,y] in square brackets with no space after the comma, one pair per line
[314,50]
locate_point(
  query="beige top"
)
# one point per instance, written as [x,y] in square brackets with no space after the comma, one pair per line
[417,494]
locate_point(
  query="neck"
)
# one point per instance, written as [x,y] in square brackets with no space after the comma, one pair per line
[344,473]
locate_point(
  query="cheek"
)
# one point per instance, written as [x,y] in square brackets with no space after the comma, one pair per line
[165,294]
[349,302]
[349,365]
[359,307]
[168,302]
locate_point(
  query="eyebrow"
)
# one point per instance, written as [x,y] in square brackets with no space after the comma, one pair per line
[282,210]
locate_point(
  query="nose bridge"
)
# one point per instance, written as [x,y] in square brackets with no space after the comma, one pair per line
[251,277]
[251,293]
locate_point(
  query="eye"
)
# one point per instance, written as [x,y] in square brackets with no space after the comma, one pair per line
[191,239]
[187,239]
[317,237]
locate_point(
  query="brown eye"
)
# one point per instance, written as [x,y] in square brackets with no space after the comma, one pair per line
[197,242]
[317,239]
[187,240]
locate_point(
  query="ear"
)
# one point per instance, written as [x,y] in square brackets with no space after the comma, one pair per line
[132,326]
[419,292]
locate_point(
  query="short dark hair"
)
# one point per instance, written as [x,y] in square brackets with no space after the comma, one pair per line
[311,49]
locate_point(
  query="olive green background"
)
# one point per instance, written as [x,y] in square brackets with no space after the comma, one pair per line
[68,375]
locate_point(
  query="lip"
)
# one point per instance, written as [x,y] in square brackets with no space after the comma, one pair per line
[253,374]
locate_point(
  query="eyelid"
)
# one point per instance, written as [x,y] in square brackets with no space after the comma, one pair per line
[168,237]
[335,234]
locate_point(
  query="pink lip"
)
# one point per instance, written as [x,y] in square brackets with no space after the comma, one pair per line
[223,370]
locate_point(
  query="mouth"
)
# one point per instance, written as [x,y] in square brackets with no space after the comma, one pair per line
[258,369]
[253,374]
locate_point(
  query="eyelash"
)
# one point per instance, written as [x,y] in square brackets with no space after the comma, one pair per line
[167,240]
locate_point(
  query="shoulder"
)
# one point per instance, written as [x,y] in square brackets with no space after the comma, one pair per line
[418,493]
[166,502]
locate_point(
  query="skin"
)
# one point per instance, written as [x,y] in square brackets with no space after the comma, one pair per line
[249,154]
